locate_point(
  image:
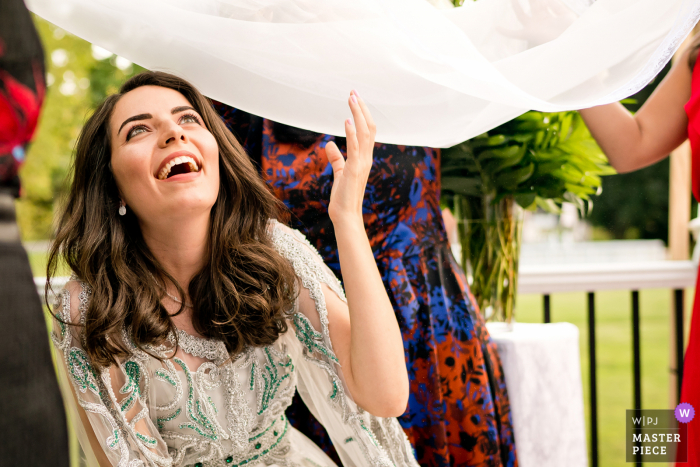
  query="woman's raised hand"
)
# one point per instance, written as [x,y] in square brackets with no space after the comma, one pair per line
[350,176]
[366,337]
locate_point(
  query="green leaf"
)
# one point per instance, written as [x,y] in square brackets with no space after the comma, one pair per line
[550,156]
[549,205]
[525,200]
[462,185]
[566,122]
[498,165]
[523,137]
[548,167]
[501,152]
[495,140]
[513,178]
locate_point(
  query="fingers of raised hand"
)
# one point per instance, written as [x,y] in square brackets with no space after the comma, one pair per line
[360,122]
[363,120]
[353,145]
[367,115]
[335,157]
[360,136]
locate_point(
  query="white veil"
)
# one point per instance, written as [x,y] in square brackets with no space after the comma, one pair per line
[432,76]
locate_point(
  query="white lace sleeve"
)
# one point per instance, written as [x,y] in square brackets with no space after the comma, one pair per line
[360,438]
[109,408]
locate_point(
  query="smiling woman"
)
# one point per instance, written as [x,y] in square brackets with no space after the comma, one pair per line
[192,315]
[172,227]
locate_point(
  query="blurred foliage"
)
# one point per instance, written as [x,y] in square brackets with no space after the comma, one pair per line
[77,81]
[535,160]
[635,205]
[539,159]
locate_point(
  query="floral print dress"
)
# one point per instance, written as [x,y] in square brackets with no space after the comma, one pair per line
[458,412]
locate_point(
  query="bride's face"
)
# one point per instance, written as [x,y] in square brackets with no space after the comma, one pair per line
[165,161]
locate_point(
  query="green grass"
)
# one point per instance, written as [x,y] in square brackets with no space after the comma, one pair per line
[614,355]
[38,261]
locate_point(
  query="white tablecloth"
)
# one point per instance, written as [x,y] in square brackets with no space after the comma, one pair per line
[542,367]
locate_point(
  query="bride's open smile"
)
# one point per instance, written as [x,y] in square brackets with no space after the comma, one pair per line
[179,166]
[164,159]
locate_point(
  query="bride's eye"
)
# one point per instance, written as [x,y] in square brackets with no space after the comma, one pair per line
[135,130]
[189,118]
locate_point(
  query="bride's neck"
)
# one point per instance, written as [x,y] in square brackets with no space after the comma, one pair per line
[179,245]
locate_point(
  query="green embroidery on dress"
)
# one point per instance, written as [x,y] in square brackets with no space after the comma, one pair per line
[133,378]
[271,381]
[81,370]
[309,337]
[269,449]
[115,439]
[349,440]
[164,376]
[335,390]
[250,440]
[127,403]
[61,324]
[161,420]
[252,376]
[312,462]
[369,433]
[147,439]
[201,423]
[213,406]
[289,363]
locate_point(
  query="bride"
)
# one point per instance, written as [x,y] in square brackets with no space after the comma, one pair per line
[192,315]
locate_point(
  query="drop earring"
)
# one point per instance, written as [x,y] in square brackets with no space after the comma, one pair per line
[122,208]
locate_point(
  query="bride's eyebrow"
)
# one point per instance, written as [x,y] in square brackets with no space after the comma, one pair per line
[135,117]
[173,111]
[181,109]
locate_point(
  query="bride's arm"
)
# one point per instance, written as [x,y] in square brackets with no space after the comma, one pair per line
[635,141]
[367,340]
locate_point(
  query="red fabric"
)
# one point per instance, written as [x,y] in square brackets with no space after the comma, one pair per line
[692,108]
[19,110]
[690,391]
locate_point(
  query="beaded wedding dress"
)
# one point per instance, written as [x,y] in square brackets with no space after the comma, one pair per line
[197,407]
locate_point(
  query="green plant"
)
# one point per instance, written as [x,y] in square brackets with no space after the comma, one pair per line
[537,159]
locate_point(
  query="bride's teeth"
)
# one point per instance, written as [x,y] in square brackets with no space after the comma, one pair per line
[192,164]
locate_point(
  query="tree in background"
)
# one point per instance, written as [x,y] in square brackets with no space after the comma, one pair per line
[635,205]
[78,77]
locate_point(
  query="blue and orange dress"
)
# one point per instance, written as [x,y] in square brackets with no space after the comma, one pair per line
[458,412]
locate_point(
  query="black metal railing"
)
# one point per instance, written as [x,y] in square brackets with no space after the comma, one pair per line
[678,310]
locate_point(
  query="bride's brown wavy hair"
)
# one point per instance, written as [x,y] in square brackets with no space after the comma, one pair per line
[244,293]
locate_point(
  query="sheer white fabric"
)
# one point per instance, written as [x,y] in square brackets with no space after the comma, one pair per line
[198,407]
[432,76]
